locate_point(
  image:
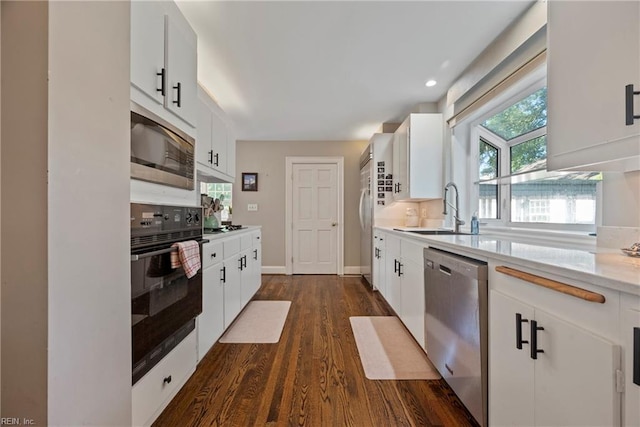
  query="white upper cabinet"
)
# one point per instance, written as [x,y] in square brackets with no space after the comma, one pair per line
[215,141]
[417,158]
[164,63]
[182,71]
[147,49]
[593,54]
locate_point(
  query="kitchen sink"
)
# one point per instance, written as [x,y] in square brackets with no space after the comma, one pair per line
[437,232]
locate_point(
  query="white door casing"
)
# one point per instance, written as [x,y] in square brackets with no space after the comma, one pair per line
[314,215]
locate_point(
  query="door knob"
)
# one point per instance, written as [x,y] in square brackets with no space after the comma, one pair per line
[333,224]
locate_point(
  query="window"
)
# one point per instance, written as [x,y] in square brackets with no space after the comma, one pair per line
[513,184]
[223,193]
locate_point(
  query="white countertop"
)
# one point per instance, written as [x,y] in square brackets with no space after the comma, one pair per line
[600,266]
[224,234]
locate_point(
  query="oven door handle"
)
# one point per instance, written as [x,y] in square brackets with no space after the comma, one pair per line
[162,251]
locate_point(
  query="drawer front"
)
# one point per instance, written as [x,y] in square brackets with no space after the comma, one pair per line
[245,241]
[231,246]
[154,391]
[212,253]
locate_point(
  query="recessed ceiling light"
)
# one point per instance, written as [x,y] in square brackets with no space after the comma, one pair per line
[430,83]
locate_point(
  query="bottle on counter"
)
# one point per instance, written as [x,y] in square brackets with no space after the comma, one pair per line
[475,224]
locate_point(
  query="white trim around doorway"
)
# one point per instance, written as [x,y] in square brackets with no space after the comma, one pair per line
[290,161]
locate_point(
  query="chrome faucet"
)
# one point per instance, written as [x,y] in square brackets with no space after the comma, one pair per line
[457,221]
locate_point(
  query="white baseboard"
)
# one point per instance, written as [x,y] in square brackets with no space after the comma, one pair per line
[268,269]
[352,270]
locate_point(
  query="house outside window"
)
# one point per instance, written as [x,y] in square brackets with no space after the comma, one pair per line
[514,188]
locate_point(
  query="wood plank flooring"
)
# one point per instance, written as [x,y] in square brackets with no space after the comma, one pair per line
[313,375]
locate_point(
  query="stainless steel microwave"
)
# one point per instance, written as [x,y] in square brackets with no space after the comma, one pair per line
[160,152]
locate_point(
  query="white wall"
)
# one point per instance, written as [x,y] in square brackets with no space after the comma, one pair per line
[89,359]
[621,199]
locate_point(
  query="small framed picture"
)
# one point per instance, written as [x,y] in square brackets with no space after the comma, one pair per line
[381,182]
[380,170]
[380,195]
[389,176]
[389,182]
[381,163]
[388,189]
[380,189]
[381,202]
[249,181]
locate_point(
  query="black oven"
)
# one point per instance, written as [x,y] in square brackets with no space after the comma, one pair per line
[164,302]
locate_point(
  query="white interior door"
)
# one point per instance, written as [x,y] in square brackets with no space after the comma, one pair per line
[314,218]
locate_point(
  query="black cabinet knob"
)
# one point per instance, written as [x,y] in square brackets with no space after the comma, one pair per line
[167,380]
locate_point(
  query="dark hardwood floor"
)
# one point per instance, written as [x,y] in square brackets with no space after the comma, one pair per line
[313,376]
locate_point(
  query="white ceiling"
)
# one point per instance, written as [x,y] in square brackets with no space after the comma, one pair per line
[334,70]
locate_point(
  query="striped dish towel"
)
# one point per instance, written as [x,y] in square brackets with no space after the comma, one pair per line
[187,257]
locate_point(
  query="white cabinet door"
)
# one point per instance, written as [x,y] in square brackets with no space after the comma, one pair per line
[147,48]
[417,158]
[575,376]
[219,143]
[181,64]
[215,145]
[232,292]
[393,281]
[511,370]
[379,267]
[247,288]
[631,340]
[204,153]
[211,320]
[571,380]
[255,262]
[231,152]
[412,297]
[593,53]
[401,162]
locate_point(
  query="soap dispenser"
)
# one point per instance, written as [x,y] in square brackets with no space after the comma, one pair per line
[475,225]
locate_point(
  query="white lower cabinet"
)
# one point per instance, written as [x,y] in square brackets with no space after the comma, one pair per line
[232,289]
[392,278]
[412,289]
[211,321]
[546,371]
[379,263]
[152,393]
[255,265]
[630,328]
[404,282]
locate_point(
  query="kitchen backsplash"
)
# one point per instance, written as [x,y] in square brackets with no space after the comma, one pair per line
[617,237]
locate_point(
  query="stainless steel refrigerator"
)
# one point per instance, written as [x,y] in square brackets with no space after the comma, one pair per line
[375,194]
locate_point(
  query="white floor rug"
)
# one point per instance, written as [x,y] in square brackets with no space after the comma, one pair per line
[387,350]
[260,322]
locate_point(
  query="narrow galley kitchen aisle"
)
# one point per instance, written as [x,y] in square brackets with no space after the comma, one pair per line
[313,376]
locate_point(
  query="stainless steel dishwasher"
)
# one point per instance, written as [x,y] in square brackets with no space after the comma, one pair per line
[456,325]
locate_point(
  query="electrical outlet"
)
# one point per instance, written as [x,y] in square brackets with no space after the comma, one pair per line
[423,212]
[252,207]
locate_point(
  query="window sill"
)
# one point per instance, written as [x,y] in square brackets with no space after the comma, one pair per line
[558,238]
